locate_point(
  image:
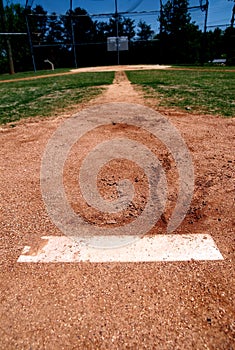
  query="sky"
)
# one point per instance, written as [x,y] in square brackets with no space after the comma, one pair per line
[220,11]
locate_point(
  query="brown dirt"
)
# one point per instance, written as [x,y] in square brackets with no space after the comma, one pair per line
[188,305]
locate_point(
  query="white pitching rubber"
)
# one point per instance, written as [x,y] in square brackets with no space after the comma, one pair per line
[159,248]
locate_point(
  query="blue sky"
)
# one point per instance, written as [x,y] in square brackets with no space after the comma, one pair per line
[220,11]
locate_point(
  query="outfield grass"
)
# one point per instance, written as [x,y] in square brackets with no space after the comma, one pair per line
[205,67]
[32,74]
[47,96]
[196,91]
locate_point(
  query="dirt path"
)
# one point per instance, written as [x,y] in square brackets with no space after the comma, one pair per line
[120,91]
[161,306]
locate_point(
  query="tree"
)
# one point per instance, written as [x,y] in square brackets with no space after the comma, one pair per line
[83,26]
[102,31]
[3,27]
[214,47]
[144,31]
[38,24]
[179,37]
[229,41]
[126,27]
[174,17]
[56,50]
[55,29]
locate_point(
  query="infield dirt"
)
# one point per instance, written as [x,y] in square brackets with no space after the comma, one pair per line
[183,305]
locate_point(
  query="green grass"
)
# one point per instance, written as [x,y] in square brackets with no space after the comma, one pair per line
[32,74]
[205,67]
[196,90]
[48,96]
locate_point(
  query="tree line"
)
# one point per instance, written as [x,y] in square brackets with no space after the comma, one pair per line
[57,38]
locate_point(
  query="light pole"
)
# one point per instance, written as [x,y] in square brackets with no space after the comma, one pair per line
[117,31]
[72,33]
[30,39]
[204,7]
[233,15]
[160,41]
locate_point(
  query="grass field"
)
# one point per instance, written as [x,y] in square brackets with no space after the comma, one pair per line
[197,91]
[43,97]
[32,74]
[194,90]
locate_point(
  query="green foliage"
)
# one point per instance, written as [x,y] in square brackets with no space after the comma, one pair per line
[49,95]
[55,30]
[175,17]
[82,26]
[198,91]
[179,38]
[126,27]
[144,31]
[15,23]
[229,38]
[38,24]
[214,44]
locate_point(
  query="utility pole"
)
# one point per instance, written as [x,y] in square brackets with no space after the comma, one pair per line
[206,16]
[117,31]
[29,37]
[233,15]
[72,32]
[204,7]
[160,41]
[8,43]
